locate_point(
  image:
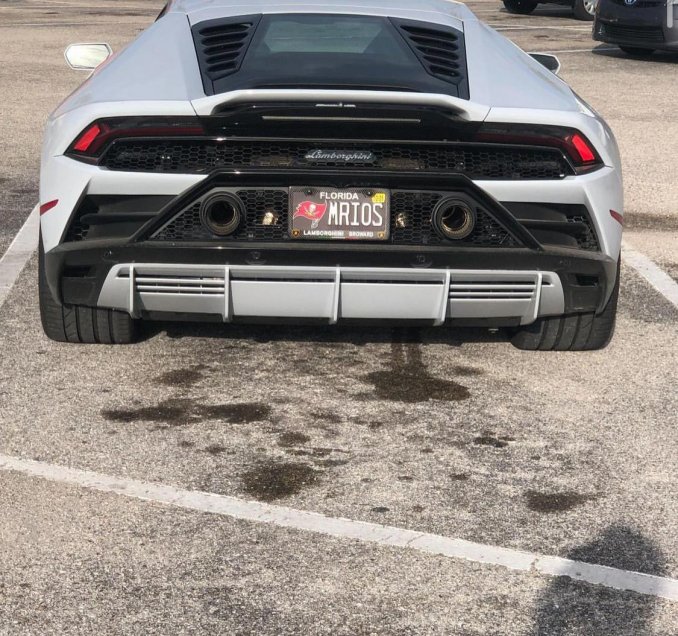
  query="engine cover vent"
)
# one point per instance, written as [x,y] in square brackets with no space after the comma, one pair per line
[440,50]
[221,46]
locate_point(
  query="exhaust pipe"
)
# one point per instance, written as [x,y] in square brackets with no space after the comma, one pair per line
[221,213]
[454,219]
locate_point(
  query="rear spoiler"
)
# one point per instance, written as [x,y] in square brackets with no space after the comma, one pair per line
[462,108]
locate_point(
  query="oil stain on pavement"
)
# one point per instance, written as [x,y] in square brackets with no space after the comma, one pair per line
[490,439]
[274,480]
[182,378]
[184,411]
[556,502]
[408,379]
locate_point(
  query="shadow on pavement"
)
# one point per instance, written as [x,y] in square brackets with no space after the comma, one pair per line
[569,608]
[357,335]
[658,57]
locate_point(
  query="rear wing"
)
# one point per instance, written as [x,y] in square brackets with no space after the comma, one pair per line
[461,108]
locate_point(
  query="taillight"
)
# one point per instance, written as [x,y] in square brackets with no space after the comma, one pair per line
[84,142]
[97,136]
[585,151]
[573,143]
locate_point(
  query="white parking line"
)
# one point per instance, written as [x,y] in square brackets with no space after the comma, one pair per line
[15,258]
[532,27]
[348,529]
[590,49]
[652,273]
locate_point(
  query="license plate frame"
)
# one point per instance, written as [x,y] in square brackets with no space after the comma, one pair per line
[340,214]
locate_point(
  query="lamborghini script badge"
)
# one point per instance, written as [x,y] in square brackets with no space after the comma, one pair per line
[341,156]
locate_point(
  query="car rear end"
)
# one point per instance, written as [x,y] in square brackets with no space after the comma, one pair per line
[296,195]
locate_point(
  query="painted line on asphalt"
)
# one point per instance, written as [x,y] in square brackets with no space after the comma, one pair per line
[15,258]
[594,49]
[531,27]
[651,272]
[347,528]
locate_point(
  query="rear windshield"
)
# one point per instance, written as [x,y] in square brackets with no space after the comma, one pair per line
[339,35]
[330,50]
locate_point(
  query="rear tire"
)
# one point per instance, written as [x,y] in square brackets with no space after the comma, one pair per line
[635,51]
[584,9]
[577,332]
[85,325]
[521,7]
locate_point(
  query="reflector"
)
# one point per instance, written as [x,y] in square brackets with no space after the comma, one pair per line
[46,207]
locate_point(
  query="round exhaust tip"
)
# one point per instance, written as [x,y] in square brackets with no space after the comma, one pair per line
[221,213]
[454,219]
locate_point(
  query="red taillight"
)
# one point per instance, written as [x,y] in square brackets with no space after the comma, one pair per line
[573,143]
[583,148]
[46,207]
[87,138]
[92,141]
[617,217]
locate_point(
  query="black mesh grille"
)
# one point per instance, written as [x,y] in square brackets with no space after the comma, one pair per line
[187,226]
[477,161]
[415,208]
[632,33]
[418,208]
[587,239]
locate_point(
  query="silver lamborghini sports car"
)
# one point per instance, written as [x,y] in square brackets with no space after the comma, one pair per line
[306,161]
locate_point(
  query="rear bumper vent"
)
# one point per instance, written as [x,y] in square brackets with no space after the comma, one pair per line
[558,224]
[333,294]
[469,290]
[190,285]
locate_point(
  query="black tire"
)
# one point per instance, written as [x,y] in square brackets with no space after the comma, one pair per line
[581,12]
[521,7]
[577,332]
[85,325]
[635,51]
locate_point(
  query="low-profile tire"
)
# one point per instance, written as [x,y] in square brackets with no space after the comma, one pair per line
[584,10]
[521,7]
[85,325]
[576,332]
[635,51]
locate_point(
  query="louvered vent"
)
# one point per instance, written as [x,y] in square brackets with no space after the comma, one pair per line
[440,50]
[221,46]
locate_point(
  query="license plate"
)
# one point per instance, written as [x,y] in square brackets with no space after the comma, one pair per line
[344,215]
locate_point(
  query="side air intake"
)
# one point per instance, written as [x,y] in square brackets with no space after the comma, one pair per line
[440,50]
[221,46]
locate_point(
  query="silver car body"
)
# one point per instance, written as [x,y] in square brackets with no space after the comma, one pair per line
[158,74]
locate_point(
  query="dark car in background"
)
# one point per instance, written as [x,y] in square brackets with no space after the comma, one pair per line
[638,27]
[582,9]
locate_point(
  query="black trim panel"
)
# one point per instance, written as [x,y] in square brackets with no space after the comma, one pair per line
[343,179]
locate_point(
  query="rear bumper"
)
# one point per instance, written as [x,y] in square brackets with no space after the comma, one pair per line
[473,286]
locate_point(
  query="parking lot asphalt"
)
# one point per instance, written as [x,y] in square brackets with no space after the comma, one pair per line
[454,434]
